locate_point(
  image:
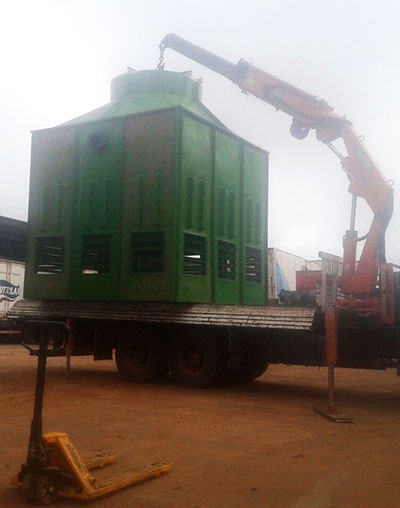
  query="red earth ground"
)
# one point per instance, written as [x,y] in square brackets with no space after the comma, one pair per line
[255,445]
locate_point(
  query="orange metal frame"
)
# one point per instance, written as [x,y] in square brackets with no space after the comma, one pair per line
[366,179]
[360,279]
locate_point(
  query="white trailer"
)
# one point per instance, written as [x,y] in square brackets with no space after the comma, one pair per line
[11,291]
[282,268]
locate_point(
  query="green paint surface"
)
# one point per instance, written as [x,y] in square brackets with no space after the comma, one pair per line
[50,214]
[97,219]
[150,198]
[145,91]
[227,195]
[194,239]
[254,244]
[148,208]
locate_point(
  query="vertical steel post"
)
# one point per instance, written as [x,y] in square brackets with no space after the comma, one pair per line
[331,389]
[331,327]
[350,246]
[35,449]
[69,347]
[353,212]
[331,352]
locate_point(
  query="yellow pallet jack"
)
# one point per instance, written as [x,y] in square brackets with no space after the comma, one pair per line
[54,467]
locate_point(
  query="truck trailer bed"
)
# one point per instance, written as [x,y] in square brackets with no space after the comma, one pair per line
[301,319]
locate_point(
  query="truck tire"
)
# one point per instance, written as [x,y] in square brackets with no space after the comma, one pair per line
[254,362]
[197,359]
[141,356]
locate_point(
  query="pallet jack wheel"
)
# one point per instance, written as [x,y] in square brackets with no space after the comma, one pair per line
[46,489]
[29,486]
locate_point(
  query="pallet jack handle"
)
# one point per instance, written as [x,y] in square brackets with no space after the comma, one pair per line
[42,335]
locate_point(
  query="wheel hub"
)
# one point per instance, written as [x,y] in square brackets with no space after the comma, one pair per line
[139,356]
[193,359]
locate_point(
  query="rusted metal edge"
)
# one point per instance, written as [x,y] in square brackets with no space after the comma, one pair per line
[179,313]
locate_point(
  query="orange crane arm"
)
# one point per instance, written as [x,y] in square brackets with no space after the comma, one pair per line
[310,112]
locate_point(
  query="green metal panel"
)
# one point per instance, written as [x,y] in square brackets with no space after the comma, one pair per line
[50,214]
[149,198]
[226,219]
[254,246]
[194,233]
[148,208]
[96,242]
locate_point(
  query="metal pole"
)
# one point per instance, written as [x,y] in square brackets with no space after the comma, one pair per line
[353,212]
[69,347]
[331,389]
[36,429]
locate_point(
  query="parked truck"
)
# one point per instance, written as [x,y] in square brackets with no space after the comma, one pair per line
[148,234]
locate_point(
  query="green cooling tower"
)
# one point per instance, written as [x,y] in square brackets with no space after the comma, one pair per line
[149,198]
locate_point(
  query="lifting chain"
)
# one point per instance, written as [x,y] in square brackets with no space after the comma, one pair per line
[161,63]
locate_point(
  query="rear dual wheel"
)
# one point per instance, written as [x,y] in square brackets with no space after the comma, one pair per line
[197,358]
[141,355]
[252,361]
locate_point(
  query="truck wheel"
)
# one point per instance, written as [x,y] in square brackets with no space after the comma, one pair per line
[141,356]
[196,359]
[254,362]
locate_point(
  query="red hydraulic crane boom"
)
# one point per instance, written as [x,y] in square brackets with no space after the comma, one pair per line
[369,284]
[310,112]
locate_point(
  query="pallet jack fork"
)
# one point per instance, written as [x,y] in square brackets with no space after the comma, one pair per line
[53,466]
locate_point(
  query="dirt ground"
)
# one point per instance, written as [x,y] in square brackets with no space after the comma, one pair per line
[257,445]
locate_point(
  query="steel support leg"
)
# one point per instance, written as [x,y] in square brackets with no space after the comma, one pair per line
[331,390]
[68,348]
[331,327]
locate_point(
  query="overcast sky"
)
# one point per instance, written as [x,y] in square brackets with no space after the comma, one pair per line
[59,56]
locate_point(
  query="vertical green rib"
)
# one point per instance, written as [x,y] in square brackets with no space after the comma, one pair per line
[257,222]
[249,220]
[139,200]
[221,217]
[189,202]
[57,203]
[44,207]
[202,194]
[157,198]
[231,220]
